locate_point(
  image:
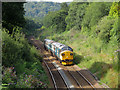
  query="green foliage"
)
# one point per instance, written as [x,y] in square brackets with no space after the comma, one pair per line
[94,12]
[64,6]
[79,16]
[115,32]
[115,9]
[31,80]
[96,46]
[55,21]
[9,75]
[39,9]
[70,19]
[17,48]
[12,15]
[104,27]
[32,27]
[21,62]
[75,15]
[20,56]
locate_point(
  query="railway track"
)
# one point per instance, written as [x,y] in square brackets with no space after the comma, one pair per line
[78,77]
[57,75]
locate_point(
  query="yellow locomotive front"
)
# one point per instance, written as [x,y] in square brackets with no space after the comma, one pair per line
[67,57]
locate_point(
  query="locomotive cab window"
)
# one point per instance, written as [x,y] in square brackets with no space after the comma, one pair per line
[67,48]
[63,54]
[71,54]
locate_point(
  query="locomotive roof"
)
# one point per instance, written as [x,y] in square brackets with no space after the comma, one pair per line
[48,40]
[59,45]
[62,46]
[67,48]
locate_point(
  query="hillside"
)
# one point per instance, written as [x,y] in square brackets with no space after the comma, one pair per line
[40,9]
[92,30]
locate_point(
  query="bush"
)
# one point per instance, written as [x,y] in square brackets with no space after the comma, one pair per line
[20,62]
[104,27]
[94,12]
[9,76]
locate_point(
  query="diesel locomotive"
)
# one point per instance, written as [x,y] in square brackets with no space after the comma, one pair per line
[62,52]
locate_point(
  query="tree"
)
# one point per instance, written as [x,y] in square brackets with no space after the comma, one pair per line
[104,27]
[94,12]
[64,6]
[79,16]
[56,20]
[71,18]
[115,9]
[12,15]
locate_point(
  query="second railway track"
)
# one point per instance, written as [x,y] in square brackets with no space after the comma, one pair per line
[80,79]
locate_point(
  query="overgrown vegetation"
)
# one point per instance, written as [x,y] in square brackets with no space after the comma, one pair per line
[21,62]
[93,31]
[12,15]
[32,27]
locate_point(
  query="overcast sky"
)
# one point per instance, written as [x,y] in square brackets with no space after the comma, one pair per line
[53,0]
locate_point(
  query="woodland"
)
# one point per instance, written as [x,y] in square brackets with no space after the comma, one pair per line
[92,29]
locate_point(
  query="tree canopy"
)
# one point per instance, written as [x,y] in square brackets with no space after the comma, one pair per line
[12,15]
[40,9]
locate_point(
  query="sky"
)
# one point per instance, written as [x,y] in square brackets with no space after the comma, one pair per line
[60,1]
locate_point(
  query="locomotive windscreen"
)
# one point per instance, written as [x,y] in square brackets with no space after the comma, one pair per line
[67,48]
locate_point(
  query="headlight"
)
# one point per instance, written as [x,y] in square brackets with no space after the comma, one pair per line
[62,54]
[71,54]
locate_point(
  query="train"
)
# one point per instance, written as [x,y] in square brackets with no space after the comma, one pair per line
[62,52]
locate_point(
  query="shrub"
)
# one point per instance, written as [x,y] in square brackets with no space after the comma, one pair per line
[9,76]
[19,58]
[104,27]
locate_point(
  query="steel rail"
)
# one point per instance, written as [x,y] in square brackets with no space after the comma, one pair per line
[53,79]
[64,80]
[60,75]
[74,78]
[85,79]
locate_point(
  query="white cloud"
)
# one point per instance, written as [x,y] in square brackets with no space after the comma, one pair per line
[60,1]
